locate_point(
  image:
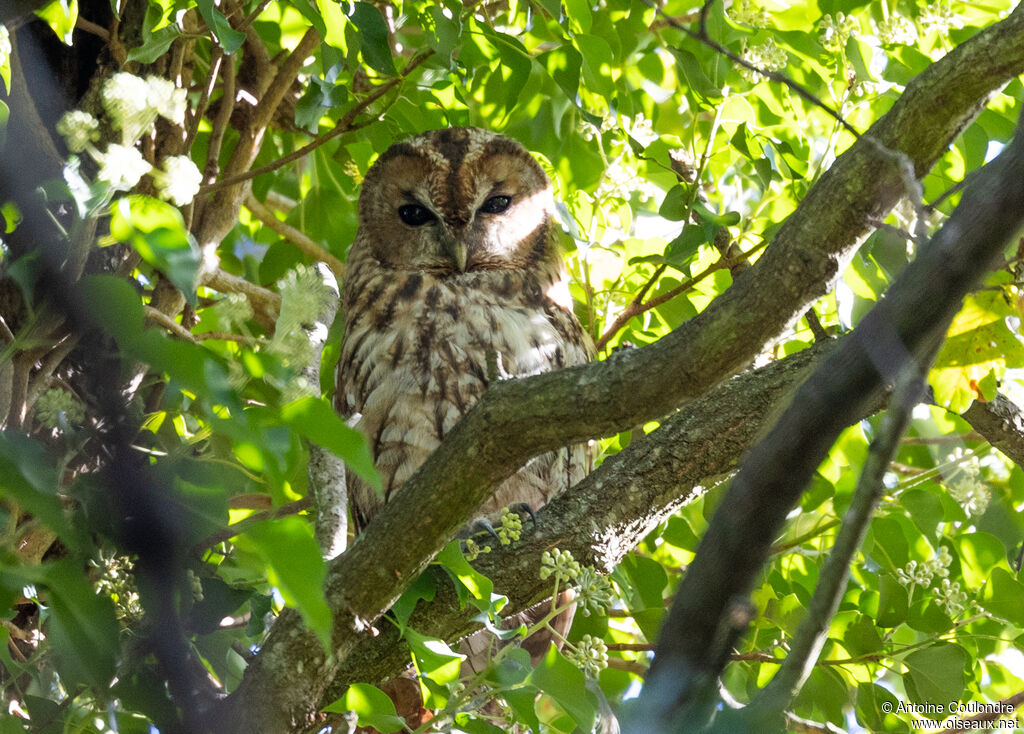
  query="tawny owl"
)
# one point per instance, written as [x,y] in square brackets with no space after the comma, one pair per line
[454,276]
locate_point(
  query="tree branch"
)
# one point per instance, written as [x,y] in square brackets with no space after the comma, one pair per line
[908,323]
[1001,422]
[517,419]
[296,237]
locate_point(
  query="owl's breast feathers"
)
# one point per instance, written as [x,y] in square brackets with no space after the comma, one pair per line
[416,356]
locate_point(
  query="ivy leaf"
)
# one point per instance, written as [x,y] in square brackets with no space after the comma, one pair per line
[936,674]
[61,16]
[373,34]
[316,420]
[157,232]
[567,685]
[437,665]
[288,548]
[372,706]
[228,38]
[1003,595]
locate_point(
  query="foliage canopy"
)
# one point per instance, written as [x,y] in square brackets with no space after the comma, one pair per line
[162,387]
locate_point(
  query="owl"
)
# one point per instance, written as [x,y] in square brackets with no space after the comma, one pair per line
[454,280]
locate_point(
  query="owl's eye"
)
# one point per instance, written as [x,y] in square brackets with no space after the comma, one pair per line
[415,215]
[496,204]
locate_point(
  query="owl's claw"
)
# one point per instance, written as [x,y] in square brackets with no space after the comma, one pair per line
[524,508]
[483,525]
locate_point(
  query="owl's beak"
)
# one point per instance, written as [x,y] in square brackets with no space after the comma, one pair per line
[456,248]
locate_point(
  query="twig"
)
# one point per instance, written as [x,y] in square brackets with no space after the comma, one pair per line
[266,304]
[630,666]
[630,647]
[703,37]
[301,240]
[815,324]
[345,124]
[635,308]
[248,20]
[222,121]
[204,98]
[170,324]
[778,695]
[995,712]
[89,27]
[226,534]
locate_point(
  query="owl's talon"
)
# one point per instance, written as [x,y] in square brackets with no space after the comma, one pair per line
[524,508]
[482,524]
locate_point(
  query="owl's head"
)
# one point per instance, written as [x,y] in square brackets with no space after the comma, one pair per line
[454,201]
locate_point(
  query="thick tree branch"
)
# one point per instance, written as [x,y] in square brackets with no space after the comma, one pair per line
[518,419]
[907,324]
[779,694]
[1002,424]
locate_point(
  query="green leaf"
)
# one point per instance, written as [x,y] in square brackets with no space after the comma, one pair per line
[154,44]
[563,64]
[372,706]
[447,31]
[373,34]
[1003,595]
[696,80]
[61,16]
[228,38]
[597,63]
[334,21]
[437,665]
[875,706]
[83,630]
[675,205]
[157,232]
[297,569]
[422,588]
[936,674]
[470,584]
[5,76]
[578,11]
[314,419]
[566,683]
[980,554]
[29,476]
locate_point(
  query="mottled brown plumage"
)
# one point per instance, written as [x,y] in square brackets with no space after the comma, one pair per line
[454,278]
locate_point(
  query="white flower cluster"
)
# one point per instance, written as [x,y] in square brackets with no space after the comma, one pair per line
[79,129]
[57,408]
[621,182]
[590,655]
[132,105]
[971,493]
[559,563]
[966,486]
[950,597]
[897,31]
[591,131]
[122,166]
[179,180]
[765,56]
[749,13]
[835,32]
[117,582]
[5,45]
[938,16]
[595,591]
[915,574]
[642,130]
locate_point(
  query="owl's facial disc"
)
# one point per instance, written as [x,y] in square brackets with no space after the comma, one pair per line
[456,201]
